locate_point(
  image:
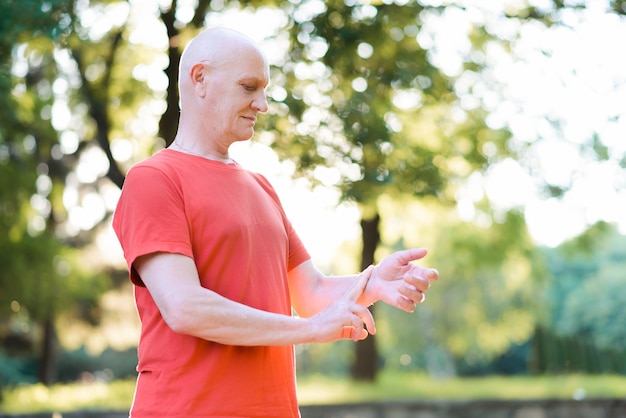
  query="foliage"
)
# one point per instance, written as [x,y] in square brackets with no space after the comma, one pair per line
[365,101]
[358,103]
[80,365]
[485,302]
[557,353]
[491,283]
[21,20]
[586,296]
[44,273]
[18,369]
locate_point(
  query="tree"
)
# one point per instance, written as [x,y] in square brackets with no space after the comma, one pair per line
[368,95]
[43,276]
[360,91]
[370,104]
[582,303]
[29,249]
[365,97]
[590,275]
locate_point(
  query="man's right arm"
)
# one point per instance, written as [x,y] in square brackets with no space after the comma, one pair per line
[189,308]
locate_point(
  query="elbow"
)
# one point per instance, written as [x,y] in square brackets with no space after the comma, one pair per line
[178,320]
[177,325]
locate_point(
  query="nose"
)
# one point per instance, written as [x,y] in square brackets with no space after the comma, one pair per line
[260,102]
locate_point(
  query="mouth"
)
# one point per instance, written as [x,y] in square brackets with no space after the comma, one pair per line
[252,119]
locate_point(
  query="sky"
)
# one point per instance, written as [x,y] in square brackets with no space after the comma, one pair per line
[555,89]
[573,74]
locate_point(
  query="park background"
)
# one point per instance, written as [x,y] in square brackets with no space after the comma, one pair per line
[492,133]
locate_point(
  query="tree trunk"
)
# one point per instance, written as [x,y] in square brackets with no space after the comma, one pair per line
[365,366]
[168,125]
[49,354]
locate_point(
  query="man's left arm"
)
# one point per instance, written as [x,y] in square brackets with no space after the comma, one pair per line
[395,280]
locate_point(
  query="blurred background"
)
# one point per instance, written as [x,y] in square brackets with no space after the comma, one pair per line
[491,133]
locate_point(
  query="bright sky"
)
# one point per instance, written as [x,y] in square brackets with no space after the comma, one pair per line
[572,74]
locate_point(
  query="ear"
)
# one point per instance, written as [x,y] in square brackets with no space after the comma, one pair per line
[198,75]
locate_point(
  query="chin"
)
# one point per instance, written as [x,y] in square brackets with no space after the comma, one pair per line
[243,139]
[247,137]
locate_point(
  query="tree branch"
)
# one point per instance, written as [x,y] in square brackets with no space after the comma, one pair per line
[98,109]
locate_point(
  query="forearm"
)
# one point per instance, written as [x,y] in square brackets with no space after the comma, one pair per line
[395,281]
[188,308]
[212,317]
[312,291]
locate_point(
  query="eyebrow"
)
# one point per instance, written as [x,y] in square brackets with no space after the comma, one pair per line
[254,79]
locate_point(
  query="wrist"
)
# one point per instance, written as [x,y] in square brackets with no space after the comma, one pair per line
[369,296]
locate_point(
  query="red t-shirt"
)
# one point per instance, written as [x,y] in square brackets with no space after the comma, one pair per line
[230,221]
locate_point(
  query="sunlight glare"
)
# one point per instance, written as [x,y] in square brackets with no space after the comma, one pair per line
[407,99]
[552,221]
[61,114]
[122,149]
[558,161]
[93,164]
[508,185]
[100,20]
[561,87]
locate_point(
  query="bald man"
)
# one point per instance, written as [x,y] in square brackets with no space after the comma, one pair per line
[216,265]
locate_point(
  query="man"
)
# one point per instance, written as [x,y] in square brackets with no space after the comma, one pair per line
[217,266]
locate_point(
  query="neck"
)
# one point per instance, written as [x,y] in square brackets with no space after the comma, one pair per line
[215,156]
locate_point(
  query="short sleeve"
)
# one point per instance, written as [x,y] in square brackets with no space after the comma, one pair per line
[150,217]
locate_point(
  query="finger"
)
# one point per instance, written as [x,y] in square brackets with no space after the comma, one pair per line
[413,294]
[362,336]
[354,292]
[365,318]
[346,332]
[412,254]
[405,304]
[424,273]
[349,333]
[354,331]
[415,283]
[432,275]
[357,328]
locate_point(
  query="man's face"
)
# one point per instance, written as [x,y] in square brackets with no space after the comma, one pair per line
[236,95]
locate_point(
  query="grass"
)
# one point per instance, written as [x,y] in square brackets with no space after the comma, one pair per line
[117,395]
[414,386]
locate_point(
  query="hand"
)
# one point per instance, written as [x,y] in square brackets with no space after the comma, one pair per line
[344,318]
[399,283]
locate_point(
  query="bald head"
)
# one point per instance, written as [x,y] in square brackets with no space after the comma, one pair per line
[217,47]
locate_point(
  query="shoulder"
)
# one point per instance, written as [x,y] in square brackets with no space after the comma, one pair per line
[155,175]
[262,181]
[164,164]
[161,161]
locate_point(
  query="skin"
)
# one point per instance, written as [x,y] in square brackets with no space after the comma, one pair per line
[223,76]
